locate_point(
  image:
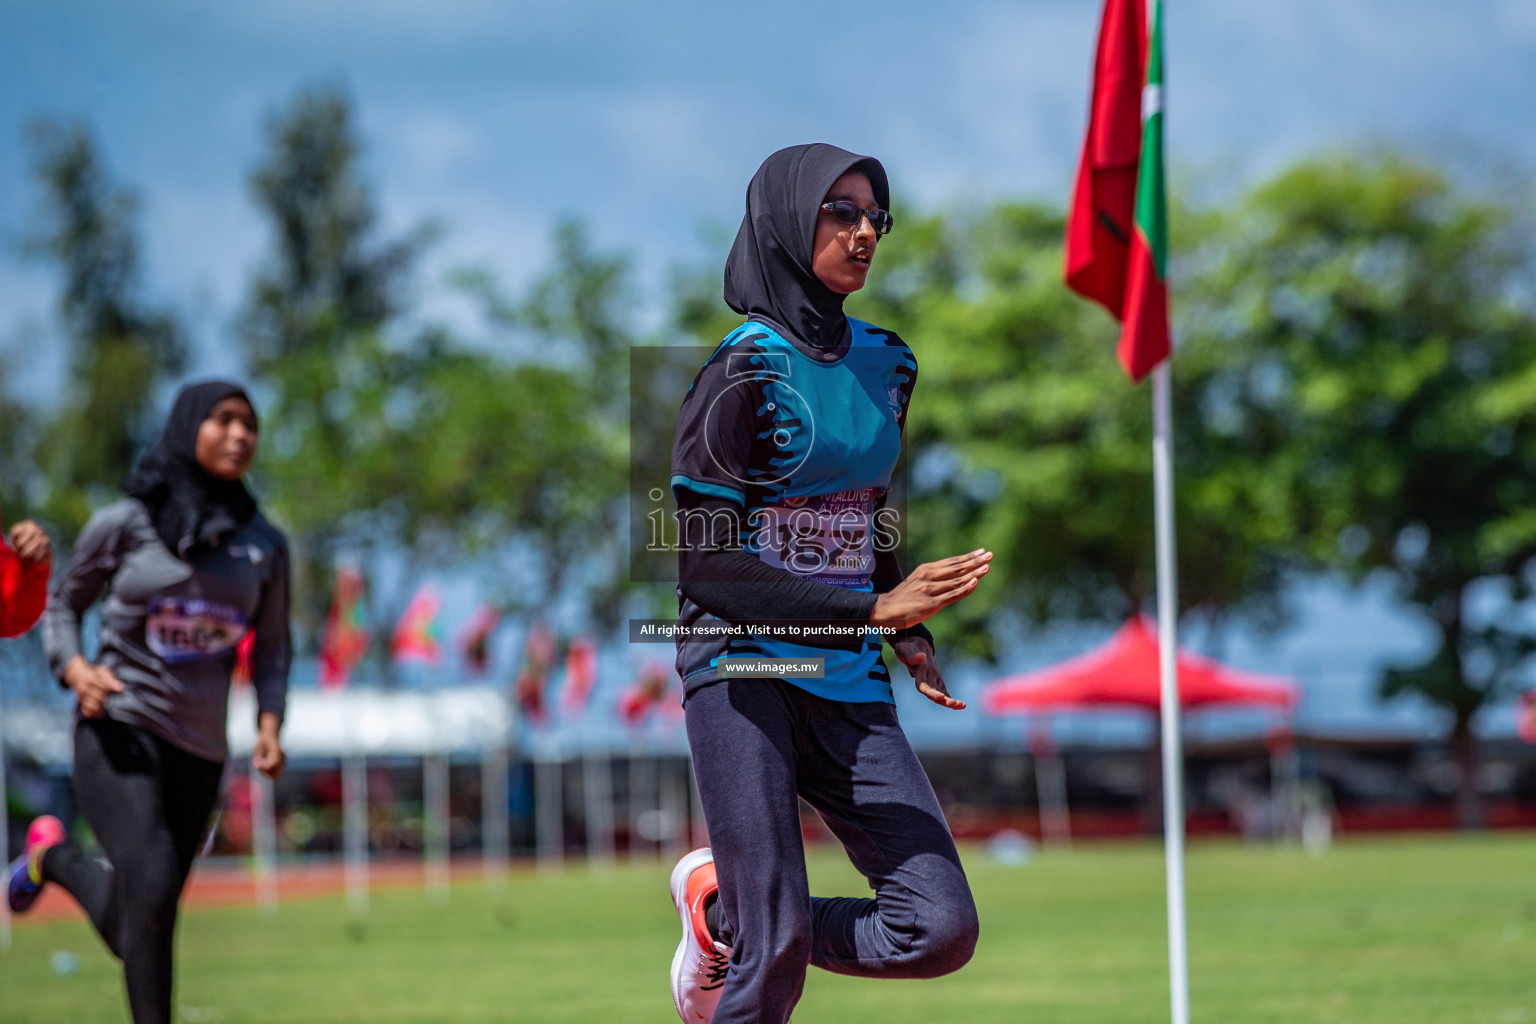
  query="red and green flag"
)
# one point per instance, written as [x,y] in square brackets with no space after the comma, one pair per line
[538,659]
[648,691]
[475,638]
[417,634]
[1117,237]
[345,639]
[580,673]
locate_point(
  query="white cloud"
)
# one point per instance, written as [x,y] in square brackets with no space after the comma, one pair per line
[1518,18]
[1010,96]
[201,242]
[32,354]
[424,146]
[665,133]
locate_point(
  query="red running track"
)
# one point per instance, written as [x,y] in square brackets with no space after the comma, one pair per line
[230,883]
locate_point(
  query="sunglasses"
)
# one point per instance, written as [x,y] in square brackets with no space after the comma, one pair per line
[847,212]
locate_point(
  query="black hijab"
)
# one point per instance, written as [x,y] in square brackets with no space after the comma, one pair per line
[769,270]
[187,505]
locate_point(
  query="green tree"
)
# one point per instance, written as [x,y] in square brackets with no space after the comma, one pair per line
[1389,316]
[565,379]
[384,435]
[316,335]
[1025,437]
[120,350]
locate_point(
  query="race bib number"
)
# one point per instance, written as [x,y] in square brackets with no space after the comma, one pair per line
[828,538]
[183,629]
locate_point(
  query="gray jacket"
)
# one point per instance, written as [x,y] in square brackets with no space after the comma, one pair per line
[169,629]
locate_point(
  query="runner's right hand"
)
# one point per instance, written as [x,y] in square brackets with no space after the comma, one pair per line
[931,587]
[92,684]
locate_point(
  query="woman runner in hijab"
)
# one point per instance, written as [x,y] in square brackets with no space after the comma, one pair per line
[188,566]
[781,464]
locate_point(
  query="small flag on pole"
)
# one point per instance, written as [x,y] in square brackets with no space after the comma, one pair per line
[1117,237]
[417,633]
[1526,726]
[580,673]
[647,692]
[538,656]
[475,638]
[345,640]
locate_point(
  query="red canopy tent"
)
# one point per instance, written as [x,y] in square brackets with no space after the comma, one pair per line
[1123,673]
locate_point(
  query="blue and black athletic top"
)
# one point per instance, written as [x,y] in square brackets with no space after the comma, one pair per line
[802,441]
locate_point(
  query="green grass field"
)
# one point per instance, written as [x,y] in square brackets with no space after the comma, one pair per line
[1416,931]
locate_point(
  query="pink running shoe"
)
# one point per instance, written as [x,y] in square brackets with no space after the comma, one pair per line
[24,882]
[699,966]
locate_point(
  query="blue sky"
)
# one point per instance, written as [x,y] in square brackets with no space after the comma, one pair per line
[647,119]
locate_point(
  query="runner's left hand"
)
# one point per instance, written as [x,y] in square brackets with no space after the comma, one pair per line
[267,756]
[917,654]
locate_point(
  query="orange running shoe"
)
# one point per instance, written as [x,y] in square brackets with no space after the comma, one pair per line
[699,966]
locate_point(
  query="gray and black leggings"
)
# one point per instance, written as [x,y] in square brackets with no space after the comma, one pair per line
[148,803]
[758,746]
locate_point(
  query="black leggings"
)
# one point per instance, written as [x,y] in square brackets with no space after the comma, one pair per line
[759,745]
[148,803]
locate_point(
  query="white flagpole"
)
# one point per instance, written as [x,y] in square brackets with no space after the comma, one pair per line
[1168,647]
[1051,796]
[264,842]
[597,798]
[434,826]
[549,807]
[495,827]
[354,799]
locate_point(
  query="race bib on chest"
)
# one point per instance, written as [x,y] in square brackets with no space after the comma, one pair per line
[181,629]
[828,538]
